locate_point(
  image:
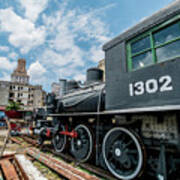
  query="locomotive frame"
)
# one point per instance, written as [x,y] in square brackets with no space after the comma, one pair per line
[139,130]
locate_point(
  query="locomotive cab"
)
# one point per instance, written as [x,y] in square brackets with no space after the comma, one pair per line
[142,64]
[142,84]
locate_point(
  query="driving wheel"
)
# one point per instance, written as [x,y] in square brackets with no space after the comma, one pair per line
[81,147]
[123,153]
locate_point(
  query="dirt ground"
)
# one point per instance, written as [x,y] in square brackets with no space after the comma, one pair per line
[11,147]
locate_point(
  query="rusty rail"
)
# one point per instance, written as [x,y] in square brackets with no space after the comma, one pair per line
[98,171]
[16,140]
[93,169]
[60,167]
[30,140]
[12,169]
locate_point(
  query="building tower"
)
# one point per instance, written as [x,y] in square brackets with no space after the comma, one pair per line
[20,74]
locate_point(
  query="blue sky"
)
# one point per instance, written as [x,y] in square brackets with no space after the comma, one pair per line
[62,38]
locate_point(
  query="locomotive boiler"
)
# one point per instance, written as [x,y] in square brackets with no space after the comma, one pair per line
[128,125]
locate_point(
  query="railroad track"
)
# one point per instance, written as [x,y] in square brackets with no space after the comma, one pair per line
[60,167]
[93,169]
[67,158]
[12,168]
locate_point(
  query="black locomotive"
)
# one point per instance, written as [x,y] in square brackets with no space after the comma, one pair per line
[129,125]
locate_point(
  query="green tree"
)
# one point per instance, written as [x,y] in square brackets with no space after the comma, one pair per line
[13,106]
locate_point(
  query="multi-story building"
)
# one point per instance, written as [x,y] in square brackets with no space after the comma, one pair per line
[20,74]
[55,88]
[39,96]
[4,93]
[101,65]
[19,89]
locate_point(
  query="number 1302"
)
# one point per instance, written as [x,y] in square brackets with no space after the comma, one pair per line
[151,86]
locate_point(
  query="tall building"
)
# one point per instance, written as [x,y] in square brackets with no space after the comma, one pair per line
[20,74]
[19,89]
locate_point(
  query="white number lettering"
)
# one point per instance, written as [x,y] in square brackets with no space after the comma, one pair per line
[139,88]
[151,86]
[166,86]
[131,90]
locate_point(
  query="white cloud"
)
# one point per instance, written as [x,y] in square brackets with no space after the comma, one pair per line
[4,48]
[33,8]
[67,28]
[23,33]
[6,68]
[7,65]
[5,76]
[64,40]
[51,58]
[37,72]
[70,34]
[36,69]
[91,27]
[96,54]
[13,55]
[73,24]
[66,72]
[80,77]
[56,60]
[39,75]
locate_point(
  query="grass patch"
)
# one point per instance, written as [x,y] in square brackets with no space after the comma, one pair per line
[48,173]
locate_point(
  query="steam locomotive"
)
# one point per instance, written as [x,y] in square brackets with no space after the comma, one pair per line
[128,125]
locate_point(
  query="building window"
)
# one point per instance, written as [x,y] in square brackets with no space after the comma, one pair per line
[160,44]
[11,95]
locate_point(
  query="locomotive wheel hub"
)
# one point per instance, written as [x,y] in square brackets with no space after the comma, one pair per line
[79,142]
[57,138]
[118,152]
[117,149]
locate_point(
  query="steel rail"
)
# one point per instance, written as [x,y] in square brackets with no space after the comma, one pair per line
[60,167]
[12,169]
[93,169]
